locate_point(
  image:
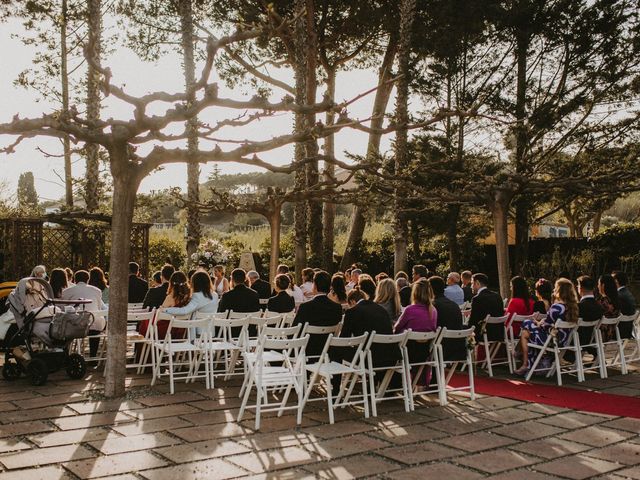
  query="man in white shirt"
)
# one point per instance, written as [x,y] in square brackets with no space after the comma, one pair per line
[83,291]
[355,276]
[454,291]
[307,283]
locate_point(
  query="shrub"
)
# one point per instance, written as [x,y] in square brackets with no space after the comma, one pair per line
[160,248]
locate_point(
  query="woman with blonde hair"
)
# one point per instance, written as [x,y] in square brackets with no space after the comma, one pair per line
[387,297]
[220,282]
[564,307]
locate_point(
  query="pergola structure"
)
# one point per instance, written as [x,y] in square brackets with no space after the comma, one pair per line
[76,240]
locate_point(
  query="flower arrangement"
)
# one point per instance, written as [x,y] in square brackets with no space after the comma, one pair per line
[210,253]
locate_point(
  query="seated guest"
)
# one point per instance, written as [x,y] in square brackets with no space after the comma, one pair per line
[81,290]
[58,281]
[419,271]
[319,311]
[387,296]
[543,290]
[261,286]
[627,303]
[137,286]
[203,298]
[178,296]
[39,271]
[294,290]
[485,302]
[354,296]
[367,285]
[404,290]
[281,302]
[155,296]
[589,310]
[565,307]
[466,285]
[520,302]
[240,298]
[307,283]
[282,269]
[420,316]
[454,291]
[338,291]
[156,279]
[354,276]
[449,316]
[98,280]
[608,298]
[381,276]
[220,282]
[69,273]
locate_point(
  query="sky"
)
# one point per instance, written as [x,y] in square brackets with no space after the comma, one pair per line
[139,77]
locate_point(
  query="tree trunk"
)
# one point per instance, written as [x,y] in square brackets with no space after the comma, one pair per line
[94,46]
[193,168]
[64,80]
[500,210]
[407,14]
[329,208]
[314,218]
[452,237]
[358,220]
[523,204]
[415,240]
[274,223]
[300,180]
[597,219]
[125,187]
[571,221]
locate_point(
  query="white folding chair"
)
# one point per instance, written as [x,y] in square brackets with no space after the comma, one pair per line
[623,358]
[272,315]
[513,340]
[400,368]
[312,330]
[492,345]
[227,344]
[430,342]
[467,335]
[551,346]
[592,343]
[83,343]
[287,319]
[265,378]
[619,357]
[135,338]
[189,352]
[351,371]
[135,306]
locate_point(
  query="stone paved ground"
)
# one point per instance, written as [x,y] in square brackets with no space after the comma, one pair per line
[64,430]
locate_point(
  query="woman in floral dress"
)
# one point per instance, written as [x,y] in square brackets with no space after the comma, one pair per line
[565,307]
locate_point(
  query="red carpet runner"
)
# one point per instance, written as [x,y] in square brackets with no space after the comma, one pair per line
[587,401]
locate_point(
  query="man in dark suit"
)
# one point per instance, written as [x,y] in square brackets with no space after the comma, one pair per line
[240,298]
[449,316]
[627,303]
[419,271]
[320,311]
[156,295]
[485,302]
[281,302]
[137,286]
[263,288]
[404,290]
[466,285]
[589,310]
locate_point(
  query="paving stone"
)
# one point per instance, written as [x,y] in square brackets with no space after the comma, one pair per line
[357,467]
[114,464]
[629,424]
[214,469]
[211,417]
[45,456]
[577,467]
[13,445]
[267,441]
[596,436]
[197,451]
[340,415]
[24,428]
[196,434]
[49,400]
[510,415]
[435,470]
[477,441]
[463,424]
[7,406]
[397,419]
[544,409]
[633,472]
[342,446]
[496,461]
[276,424]
[150,426]
[145,441]
[282,475]
[339,429]
[530,430]
[105,406]
[218,404]
[550,448]
[266,461]
[97,420]
[39,473]
[626,453]
[628,391]
[408,434]
[158,400]
[150,413]
[10,396]
[523,473]
[494,403]
[422,453]
[571,420]
[36,414]
[54,439]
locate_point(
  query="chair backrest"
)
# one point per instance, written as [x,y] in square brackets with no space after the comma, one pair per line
[210,316]
[398,338]
[235,315]
[232,329]
[593,323]
[358,343]
[446,333]
[564,325]
[258,322]
[269,343]
[425,337]
[281,332]
[264,301]
[628,318]
[287,319]
[293,350]
[268,314]
[140,316]
[191,326]
[496,320]
[521,318]
[319,330]
[610,321]
[135,306]
[465,306]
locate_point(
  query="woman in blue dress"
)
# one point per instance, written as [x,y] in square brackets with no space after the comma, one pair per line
[565,307]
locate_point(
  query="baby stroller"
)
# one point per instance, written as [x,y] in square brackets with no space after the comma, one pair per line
[39,342]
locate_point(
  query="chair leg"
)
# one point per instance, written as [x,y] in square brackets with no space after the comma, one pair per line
[258,403]
[487,353]
[372,393]
[330,406]
[363,379]
[171,388]
[472,387]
